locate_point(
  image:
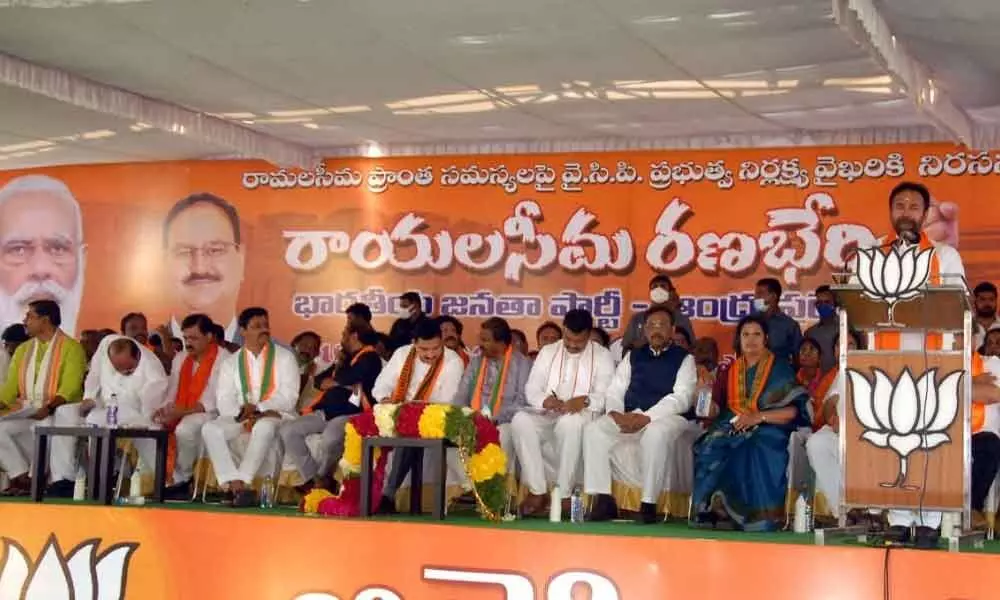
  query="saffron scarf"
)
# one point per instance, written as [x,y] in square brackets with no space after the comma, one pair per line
[818,388]
[426,386]
[496,395]
[193,381]
[464,356]
[743,401]
[978,416]
[889,340]
[267,384]
[38,388]
[365,404]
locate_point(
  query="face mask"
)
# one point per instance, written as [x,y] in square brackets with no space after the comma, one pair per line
[825,310]
[659,295]
[404,313]
[759,304]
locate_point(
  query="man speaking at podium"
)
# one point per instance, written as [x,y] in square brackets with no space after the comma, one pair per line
[909,204]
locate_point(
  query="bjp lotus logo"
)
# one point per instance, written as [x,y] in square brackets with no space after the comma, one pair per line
[894,275]
[83,574]
[905,414]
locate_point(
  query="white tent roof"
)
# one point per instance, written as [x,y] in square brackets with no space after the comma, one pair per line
[288,80]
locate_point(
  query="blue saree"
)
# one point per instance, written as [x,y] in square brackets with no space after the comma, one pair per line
[742,477]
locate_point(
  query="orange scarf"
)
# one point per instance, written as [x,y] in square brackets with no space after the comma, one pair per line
[464,356]
[193,381]
[818,389]
[889,340]
[978,416]
[426,386]
[365,404]
[740,402]
[496,395]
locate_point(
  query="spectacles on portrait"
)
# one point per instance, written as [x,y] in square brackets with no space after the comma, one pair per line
[212,251]
[15,253]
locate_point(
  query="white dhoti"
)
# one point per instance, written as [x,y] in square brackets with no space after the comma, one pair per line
[17,442]
[660,440]
[219,432]
[144,447]
[823,449]
[532,432]
[189,442]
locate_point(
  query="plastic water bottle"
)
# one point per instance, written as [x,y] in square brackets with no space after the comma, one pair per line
[80,486]
[135,486]
[555,505]
[112,412]
[265,493]
[801,523]
[576,506]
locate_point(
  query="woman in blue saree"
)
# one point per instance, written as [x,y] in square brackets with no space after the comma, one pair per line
[741,462]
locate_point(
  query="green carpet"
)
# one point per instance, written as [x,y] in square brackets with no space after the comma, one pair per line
[467,518]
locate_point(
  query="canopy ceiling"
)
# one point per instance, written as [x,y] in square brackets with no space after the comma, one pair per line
[334,77]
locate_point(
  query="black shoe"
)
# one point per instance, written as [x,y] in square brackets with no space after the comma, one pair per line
[604,508]
[179,492]
[647,514]
[245,499]
[927,538]
[60,489]
[386,506]
[228,497]
[898,535]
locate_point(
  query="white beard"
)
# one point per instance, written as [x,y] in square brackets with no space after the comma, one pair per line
[13,306]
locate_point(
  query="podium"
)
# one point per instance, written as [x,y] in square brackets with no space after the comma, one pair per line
[905,440]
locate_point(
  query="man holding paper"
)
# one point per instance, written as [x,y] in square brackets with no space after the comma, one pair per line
[43,387]
[565,389]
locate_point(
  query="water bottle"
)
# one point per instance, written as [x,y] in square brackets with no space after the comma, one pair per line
[576,506]
[135,486]
[80,486]
[801,522]
[112,412]
[265,493]
[555,505]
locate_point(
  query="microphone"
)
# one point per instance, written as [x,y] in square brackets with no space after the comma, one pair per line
[909,236]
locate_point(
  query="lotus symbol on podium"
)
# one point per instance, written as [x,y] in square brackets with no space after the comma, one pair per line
[83,574]
[893,275]
[905,414]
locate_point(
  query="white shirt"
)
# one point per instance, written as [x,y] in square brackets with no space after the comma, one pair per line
[677,402]
[585,374]
[979,332]
[444,388]
[138,396]
[229,398]
[208,396]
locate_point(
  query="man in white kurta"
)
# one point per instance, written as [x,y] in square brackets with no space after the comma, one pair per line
[564,391]
[129,377]
[191,397]
[424,371]
[257,388]
[908,207]
[823,450]
[652,389]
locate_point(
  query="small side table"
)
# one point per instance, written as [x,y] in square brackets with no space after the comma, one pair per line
[94,437]
[419,446]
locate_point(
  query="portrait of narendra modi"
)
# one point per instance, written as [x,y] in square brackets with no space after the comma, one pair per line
[42,253]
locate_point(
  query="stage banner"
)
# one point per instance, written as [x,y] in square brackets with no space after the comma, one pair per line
[524,237]
[85,553]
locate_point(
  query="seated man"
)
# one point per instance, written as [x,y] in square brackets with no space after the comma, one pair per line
[424,371]
[652,389]
[566,387]
[350,392]
[495,379]
[191,397]
[43,387]
[131,378]
[258,387]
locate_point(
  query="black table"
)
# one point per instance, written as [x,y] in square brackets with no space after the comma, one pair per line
[416,468]
[100,465]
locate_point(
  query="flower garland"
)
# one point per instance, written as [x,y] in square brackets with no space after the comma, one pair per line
[476,436]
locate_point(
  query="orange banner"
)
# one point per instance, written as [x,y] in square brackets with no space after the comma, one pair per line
[523,237]
[163,554]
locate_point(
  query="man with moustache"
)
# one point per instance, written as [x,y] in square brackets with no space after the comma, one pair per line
[411,314]
[42,254]
[984,299]
[136,326]
[205,260]
[451,331]
[258,387]
[909,204]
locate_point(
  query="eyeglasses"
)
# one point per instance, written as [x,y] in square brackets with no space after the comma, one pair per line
[18,252]
[211,251]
